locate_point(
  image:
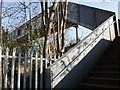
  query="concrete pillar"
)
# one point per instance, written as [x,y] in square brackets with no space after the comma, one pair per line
[77,38]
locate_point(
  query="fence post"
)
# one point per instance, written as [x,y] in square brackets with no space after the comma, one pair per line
[25,61]
[0,68]
[13,66]
[31,59]
[36,69]
[48,78]
[6,68]
[19,61]
[41,71]
[47,75]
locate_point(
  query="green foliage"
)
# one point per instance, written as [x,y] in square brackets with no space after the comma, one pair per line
[35,34]
[36,42]
[6,41]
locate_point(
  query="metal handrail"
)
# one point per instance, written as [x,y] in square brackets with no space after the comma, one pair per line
[64,55]
[84,48]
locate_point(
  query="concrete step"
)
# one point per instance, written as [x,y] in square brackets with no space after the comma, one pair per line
[104,74]
[102,81]
[89,86]
[108,63]
[106,68]
[113,53]
[110,57]
[114,48]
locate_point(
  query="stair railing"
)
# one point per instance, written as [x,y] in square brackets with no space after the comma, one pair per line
[59,69]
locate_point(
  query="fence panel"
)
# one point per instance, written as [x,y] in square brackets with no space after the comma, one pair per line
[21,67]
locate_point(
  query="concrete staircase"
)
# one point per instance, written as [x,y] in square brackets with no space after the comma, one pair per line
[106,71]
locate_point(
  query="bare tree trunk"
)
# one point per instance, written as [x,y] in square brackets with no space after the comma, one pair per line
[65,4]
[46,12]
[59,28]
[62,17]
[49,26]
[43,16]
[54,37]
[30,26]
[45,21]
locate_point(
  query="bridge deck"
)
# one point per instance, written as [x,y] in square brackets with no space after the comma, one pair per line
[86,16]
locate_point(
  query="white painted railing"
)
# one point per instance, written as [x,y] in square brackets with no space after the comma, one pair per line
[22,68]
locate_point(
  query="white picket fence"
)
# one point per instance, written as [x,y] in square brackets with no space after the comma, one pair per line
[23,69]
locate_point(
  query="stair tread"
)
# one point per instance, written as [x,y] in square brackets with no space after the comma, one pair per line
[103,78]
[110,58]
[102,65]
[106,66]
[106,71]
[111,61]
[99,85]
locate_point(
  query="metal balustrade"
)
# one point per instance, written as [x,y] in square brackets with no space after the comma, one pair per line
[70,59]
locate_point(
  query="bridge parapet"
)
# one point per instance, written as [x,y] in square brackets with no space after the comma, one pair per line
[97,41]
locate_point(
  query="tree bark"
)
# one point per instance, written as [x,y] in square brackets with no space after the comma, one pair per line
[49,26]
[43,17]
[64,25]
[59,30]
[45,24]
[62,17]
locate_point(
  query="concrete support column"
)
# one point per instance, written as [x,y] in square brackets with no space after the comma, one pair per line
[77,38]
